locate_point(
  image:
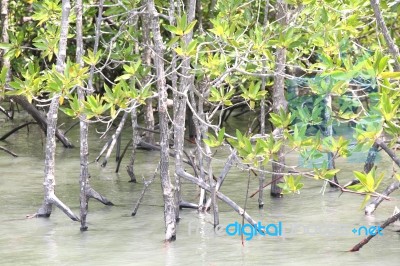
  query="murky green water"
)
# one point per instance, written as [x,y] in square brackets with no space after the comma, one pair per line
[116,238]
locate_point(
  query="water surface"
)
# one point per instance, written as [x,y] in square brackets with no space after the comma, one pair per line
[116,238]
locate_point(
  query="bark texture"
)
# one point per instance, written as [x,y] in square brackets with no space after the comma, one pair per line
[180,99]
[86,191]
[4,62]
[146,58]
[279,100]
[135,141]
[167,188]
[328,133]
[52,115]
[393,49]
[371,207]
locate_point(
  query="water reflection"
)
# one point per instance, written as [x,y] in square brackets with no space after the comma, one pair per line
[116,238]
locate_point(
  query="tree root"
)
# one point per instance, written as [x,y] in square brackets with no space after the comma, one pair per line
[8,151]
[5,136]
[363,242]
[371,207]
[146,185]
[91,193]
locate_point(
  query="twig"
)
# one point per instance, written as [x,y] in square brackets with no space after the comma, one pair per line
[5,136]
[363,242]
[245,204]
[146,185]
[8,151]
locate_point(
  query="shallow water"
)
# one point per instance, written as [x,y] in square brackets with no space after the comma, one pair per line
[316,228]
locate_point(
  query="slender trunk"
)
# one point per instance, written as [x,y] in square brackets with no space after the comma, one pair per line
[167,188]
[146,58]
[198,129]
[261,177]
[266,11]
[52,115]
[84,150]
[219,195]
[212,5]
[199,15]
[146,185]
[370,162]
[328,133]
[96,42]
[180,98]
[135,141]
[4,62]
[86,191]
[394,51]
[279,101]
[227,167]
[371,207]
[114,140]
[130,168]
[212,185]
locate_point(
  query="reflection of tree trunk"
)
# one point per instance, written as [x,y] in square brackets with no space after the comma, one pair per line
[167,189]
[279,101]
[52,115]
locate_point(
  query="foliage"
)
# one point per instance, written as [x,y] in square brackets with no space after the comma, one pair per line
[232,57]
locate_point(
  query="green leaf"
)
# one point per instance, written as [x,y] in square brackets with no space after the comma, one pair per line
[383,64]
[331,173]
[123,77]
[5,46]
[366,199]
[173,30]
[173,41]
[361,177]
[68,111]
[391,75]
[221,135]
[190,27]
